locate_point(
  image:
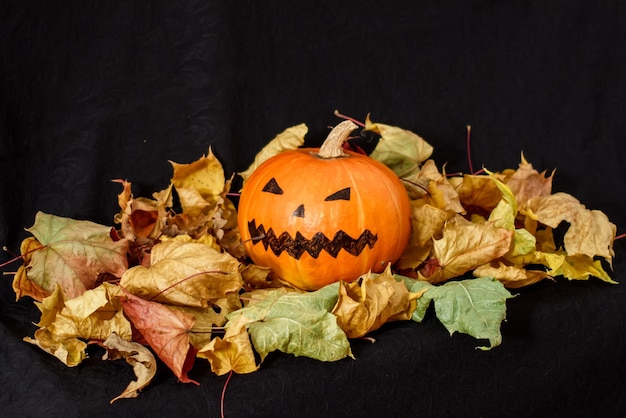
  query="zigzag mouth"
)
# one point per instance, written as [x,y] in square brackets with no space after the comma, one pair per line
[297,246]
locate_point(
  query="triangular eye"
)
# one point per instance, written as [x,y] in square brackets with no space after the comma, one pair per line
[343,194]
[272,187]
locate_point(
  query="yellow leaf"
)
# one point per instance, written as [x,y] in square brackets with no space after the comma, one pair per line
[590,232]
[580,267]
[464,247]
[511,276]
[233,352]
[526,183]
[184,273]
[138,356]
[199,183]
[378,298]
[71,351]
[290,138]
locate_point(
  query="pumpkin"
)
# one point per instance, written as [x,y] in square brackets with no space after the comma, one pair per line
[316,216]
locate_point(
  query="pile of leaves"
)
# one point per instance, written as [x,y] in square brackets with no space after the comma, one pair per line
[171,278]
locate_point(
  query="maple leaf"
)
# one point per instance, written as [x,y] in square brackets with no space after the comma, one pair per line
[73,254]
[465,246]
[94,315]
[141,218]
[298,323]
[233,352]
[475,307]
[290,138]
[365,305]
[526,183]
[22,286]
[184,272]
[399,149]
[135,354]
[590,231]
[511,276]
[199,182]
[477,193]
[165,330]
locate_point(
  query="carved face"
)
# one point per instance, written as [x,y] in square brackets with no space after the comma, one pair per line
[314,221]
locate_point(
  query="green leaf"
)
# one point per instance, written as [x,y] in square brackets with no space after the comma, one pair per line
[475,307]
[297,323]
[401,150]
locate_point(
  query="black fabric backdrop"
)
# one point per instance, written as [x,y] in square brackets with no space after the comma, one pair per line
[94,91]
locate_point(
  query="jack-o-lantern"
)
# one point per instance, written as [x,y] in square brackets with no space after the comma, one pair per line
[316,216]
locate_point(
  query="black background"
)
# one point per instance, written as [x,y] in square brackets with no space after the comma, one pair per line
[97,90]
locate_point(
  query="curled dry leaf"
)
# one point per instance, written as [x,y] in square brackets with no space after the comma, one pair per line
[138,356]
[378,298]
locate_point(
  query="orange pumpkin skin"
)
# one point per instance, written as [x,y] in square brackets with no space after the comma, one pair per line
[300,202]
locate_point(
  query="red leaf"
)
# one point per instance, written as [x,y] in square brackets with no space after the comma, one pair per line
[165,330]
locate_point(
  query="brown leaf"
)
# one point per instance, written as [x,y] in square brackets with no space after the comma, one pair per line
[138,356]
[527,183]
[378,298]
[165,330]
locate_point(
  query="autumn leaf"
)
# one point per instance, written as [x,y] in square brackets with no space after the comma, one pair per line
[475,307]
[526,183]
[590,231]
[290,138]
[142,218]
[65,323]
[511,276]
[74,253]
[478,194]
[465,246]
[184,272]
[399,149]
[138,356]
[200,182]
[365,305]
[296,323]
[233,352]
[22,286]
[165,330]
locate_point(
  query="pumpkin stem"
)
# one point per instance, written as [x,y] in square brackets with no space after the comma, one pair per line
[332,146]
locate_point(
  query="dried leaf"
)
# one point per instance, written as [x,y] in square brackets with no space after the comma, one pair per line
[512,277]
[463,247]
[290,138]
[401,150]
[165,330]
[199,183]
[378,298]
[184,272]
[138,356]
[233,352]
[590,232]
[74,254]
[527,183]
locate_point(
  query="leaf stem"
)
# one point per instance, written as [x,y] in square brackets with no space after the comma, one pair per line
[224,394]
[339,115]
